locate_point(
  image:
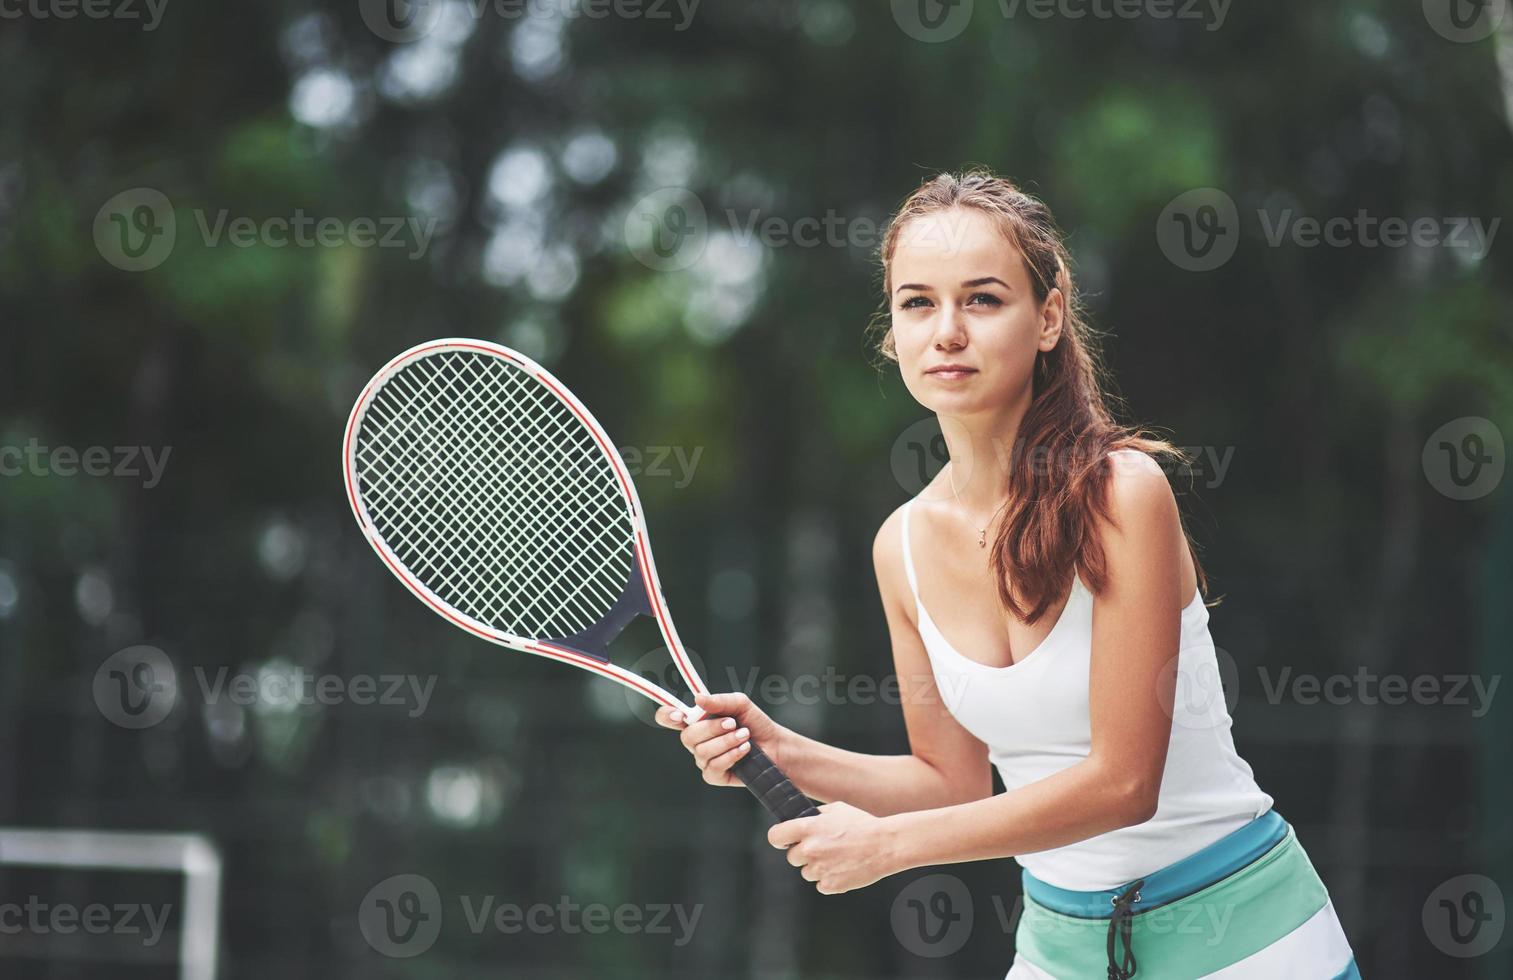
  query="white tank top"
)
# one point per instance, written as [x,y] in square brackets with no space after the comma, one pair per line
[1033,715]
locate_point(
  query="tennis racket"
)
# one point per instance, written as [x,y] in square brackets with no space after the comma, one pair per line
[489,490]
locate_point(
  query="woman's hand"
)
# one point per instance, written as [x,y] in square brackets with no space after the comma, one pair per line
[840,850]
[724,738]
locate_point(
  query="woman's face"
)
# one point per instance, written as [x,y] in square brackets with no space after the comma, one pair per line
[966,324]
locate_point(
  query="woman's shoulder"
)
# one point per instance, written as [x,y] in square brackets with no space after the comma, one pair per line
[1135,478]
[889,559]
[1138,492]
[917,510]
[887,544]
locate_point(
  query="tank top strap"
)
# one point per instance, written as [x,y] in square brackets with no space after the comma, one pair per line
[909,554]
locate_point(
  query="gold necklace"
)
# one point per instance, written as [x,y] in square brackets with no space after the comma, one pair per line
[982,532]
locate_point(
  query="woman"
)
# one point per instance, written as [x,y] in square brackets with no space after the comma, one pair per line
[1043,599]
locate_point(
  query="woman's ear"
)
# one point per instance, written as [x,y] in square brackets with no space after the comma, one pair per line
[1052,316]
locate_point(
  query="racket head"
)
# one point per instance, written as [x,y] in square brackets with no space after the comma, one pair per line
[494,495]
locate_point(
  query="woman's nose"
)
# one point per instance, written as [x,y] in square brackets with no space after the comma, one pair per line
[948,329]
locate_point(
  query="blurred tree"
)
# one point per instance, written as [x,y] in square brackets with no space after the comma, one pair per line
[518,148]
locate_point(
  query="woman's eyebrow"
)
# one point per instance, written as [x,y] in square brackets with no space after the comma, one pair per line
[969,284]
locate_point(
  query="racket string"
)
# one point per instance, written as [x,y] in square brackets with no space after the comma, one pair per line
[472,505]
[487,486]
[586,453]
[471,500]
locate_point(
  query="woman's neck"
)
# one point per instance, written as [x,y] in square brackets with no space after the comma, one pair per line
[981,448]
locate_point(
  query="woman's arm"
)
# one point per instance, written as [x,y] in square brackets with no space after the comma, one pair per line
[946,765]
[1136,634]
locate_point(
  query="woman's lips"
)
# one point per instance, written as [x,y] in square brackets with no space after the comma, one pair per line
[951,373]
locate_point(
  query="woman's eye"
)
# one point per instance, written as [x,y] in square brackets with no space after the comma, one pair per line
[913,302]
[987,299]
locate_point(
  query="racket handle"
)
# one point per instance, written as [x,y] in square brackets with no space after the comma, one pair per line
[769,785]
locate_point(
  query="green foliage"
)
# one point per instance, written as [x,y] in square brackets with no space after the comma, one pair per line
[1315,367]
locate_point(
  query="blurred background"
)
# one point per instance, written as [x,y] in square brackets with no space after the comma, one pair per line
[232,746]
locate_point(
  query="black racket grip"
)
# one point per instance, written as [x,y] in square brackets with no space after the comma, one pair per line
[769,785]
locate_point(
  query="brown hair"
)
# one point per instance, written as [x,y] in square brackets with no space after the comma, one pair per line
[1047,528]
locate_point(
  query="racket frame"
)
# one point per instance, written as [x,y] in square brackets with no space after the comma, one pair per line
[641,539]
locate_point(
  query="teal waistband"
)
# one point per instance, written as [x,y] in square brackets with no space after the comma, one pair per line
[1221,858]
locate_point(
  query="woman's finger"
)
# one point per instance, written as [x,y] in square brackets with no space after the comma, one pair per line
[716,747]
[702,731]
[720,766]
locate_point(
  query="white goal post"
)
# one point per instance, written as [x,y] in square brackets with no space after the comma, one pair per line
[193,856]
